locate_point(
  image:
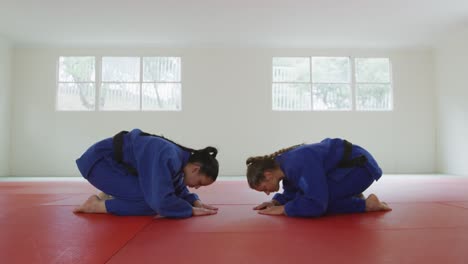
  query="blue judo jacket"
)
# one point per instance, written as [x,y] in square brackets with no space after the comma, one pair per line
[159,164]
[307,170]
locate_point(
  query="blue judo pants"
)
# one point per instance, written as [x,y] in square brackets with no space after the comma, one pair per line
[112,178]
[342,194]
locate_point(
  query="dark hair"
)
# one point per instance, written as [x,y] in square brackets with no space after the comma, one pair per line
[205,157]
[256,166]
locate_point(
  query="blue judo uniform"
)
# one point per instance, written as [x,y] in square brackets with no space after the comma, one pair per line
[315,184]
[159,186]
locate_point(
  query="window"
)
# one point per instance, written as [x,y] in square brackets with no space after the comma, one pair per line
[331,83]
[124,83]
[291,84]
[161,83]
[120,86]
[373,86]
[326,84]
[76,87]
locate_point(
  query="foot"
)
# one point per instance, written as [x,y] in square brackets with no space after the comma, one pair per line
[104,196]
[373,204]
[92,205]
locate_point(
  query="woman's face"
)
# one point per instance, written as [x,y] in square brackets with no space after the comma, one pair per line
[270,184]
[193,178]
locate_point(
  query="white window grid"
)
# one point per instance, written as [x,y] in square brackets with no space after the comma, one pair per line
[98,83]
[353,83]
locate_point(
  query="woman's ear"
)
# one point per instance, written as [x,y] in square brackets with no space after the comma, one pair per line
[268,174]
[195,168]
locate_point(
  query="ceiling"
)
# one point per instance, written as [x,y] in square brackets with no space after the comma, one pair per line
[239,23]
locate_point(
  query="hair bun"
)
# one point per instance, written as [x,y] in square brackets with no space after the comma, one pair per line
[211,151]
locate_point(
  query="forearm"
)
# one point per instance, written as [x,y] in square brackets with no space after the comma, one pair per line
[281,199]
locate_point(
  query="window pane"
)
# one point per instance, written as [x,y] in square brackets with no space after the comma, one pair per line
[161,69]
[373,70]
[76,69]
[162,96]
[291,69]
[330,70]
[120,96]
[373,97]
[291,96]
[121,69]
[332,96]
[76,96]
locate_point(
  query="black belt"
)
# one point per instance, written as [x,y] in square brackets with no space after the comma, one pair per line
[117,144]
[346,161]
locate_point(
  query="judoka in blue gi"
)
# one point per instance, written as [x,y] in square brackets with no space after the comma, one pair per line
[143,174]
[322,178]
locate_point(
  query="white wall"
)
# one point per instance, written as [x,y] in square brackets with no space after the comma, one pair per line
[226,103]
[5,113]
[452,107]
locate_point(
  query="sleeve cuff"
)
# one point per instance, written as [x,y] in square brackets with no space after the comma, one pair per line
[191,198]
[280,198]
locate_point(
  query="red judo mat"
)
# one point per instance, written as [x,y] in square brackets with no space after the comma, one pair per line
[428,224]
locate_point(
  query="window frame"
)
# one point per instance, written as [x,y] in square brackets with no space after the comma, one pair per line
[352,83]
[355,83]
[98,84]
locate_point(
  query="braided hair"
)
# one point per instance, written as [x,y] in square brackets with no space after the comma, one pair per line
[257,165]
